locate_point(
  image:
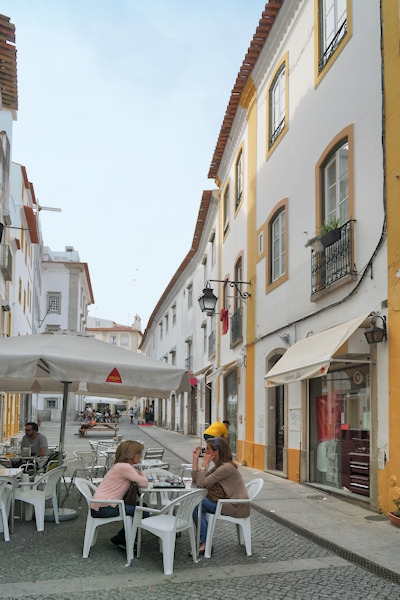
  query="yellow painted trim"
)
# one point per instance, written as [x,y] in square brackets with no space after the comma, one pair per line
[283,61]
[389,477]
[293,472]
[318,77]
[248,95]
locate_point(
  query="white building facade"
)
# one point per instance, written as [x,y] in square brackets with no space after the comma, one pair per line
[301,149]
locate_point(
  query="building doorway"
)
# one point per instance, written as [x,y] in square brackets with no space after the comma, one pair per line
[230,407]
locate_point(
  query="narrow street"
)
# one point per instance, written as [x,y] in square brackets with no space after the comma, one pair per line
[284,564]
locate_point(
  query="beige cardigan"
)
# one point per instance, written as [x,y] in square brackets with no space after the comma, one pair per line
[232,483]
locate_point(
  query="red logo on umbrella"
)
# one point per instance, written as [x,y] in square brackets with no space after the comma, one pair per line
[114,377]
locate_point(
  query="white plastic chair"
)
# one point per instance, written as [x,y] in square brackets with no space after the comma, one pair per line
[243,525]
[87,489]
[7,485]
[90,458]
[75,467]
[35,494]
[166,523]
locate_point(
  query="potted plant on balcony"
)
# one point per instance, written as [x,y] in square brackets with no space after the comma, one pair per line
[394,515]
[328,234]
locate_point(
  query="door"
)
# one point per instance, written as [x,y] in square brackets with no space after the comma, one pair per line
[230,402]
[279,427]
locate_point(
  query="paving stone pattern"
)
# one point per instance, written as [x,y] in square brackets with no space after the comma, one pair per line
[284,565]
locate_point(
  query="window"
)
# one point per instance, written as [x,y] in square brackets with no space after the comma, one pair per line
[190,295]
[20,291]
[277,106]
[51,402]
[336,185]
[205,339]
[334,263]
[213,252]
[333,30]
[125,340]
[278,246]
[161,330]
[205,272]
[173,314]
[166,323]
[54,302]
[226,209]
[260,243]
[112,340]
[239,180]
[173,356]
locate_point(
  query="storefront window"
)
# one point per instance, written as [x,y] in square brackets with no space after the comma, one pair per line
[340,429]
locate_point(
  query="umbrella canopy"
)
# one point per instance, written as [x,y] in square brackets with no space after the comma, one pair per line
[42,362]
[72,362]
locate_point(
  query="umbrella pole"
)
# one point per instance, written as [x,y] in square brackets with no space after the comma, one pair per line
[63,422]
[64,514]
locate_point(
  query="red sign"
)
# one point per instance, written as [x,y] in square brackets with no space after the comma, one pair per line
[114,377]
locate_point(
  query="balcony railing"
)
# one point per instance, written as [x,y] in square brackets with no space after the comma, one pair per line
[236,326]
[334,262]
[332,47]
[211,343]
[6,262]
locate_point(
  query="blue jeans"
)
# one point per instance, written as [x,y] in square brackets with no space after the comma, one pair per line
[111,511]
[207,506]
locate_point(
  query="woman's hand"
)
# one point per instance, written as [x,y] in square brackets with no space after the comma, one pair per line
[196,452]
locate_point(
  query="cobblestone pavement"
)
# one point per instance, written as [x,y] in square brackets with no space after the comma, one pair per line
[284,565]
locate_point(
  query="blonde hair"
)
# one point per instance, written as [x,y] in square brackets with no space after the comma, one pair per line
[127,450]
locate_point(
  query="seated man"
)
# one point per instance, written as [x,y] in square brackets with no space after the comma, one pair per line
[216,429]
[34,440]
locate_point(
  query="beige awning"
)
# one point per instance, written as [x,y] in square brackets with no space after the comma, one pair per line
[312,356]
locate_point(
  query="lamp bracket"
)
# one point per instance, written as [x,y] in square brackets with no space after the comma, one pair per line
[234,284]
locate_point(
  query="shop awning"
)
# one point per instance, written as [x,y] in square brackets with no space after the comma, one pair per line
[312,356]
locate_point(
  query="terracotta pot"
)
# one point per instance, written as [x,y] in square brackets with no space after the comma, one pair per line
[394,520]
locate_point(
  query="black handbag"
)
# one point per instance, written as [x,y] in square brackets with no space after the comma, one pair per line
[132,493]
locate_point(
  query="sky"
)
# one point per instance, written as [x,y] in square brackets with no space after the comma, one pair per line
[120,108]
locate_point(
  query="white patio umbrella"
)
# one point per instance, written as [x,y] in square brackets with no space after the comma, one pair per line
[68,361]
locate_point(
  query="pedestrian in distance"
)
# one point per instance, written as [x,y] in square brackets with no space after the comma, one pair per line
[131,414]
[216,429]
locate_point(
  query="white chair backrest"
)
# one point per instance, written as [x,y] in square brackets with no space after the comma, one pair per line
[185,505]
[50,480]
[254,487]
[156,472]
[86,488]
[74,464]
[154,453]
[6,483]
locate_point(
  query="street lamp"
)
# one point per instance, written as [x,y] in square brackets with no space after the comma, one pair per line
[375,335]
[208,300]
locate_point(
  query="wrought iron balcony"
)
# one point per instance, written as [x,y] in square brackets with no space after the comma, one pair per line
[6,261]
[334,262]
[329,52]
[236,326]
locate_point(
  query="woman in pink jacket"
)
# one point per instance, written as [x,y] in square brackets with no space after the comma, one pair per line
[116,483]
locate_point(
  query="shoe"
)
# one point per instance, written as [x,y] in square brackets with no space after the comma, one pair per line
[200,553]
[119,541]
